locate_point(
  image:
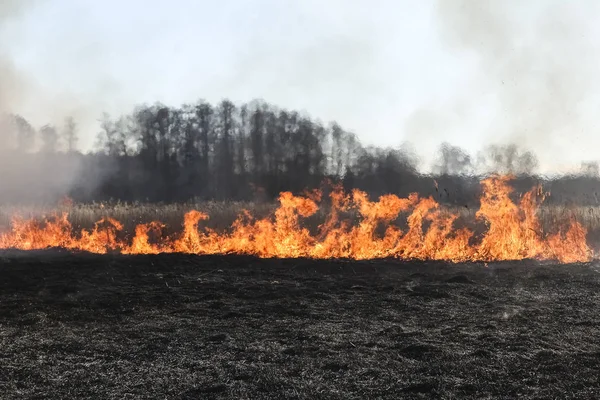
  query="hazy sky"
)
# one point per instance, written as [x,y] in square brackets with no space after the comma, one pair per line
[467,72]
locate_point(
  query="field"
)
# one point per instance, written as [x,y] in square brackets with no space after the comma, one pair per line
[228,327]
[182,326]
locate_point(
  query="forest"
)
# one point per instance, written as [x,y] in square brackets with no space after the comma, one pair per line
[250,152]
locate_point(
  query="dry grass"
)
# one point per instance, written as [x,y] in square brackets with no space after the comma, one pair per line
[83,216]
[223,214]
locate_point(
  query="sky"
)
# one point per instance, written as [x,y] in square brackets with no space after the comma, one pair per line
[466,72]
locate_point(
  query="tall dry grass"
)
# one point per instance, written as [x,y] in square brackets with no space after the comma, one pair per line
[84,216]
[223,214]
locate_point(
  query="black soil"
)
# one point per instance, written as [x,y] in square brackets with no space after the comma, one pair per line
[186,327]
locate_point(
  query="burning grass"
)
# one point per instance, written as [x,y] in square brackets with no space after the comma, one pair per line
[85,216]
[346,225]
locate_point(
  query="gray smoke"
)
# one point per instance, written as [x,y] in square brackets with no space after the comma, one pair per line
[536,69]
[26,177]
[533,79]
[13,85]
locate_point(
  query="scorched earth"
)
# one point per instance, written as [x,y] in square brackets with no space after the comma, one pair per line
[237,327]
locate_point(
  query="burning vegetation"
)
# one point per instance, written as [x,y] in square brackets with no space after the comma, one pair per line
[355,227]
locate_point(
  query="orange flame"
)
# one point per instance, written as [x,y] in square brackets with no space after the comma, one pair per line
[514,231]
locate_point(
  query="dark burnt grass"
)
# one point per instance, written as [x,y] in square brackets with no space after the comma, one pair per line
[228,327]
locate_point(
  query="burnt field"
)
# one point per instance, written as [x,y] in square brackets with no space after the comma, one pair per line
[189,327]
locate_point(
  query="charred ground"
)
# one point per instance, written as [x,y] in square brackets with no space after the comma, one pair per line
[184,327]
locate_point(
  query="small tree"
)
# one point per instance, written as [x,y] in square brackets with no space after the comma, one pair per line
[452,160]
[24,132]
[590,169]
[49,139]
[69,134]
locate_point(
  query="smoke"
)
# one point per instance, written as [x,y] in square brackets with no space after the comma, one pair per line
[530,66]
[320,58]
[24,176]
[13,85]
[10,9]
[535,68]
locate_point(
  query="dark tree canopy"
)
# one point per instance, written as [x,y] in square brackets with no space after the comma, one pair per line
[229,151]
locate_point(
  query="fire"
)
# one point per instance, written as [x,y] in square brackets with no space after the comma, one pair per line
[513,231]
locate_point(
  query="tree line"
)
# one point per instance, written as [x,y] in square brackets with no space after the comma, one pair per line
[249,151]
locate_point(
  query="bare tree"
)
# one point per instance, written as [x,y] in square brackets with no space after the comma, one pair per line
[224,150]
[590,169]
[257,134]
[452,160]
[69,134]
[24,132]
[337,151]
[49,137]
[506,159]
[111,140]
[241,140]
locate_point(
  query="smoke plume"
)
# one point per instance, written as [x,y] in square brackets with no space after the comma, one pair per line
[13,85]
[25,176]
[535,72]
